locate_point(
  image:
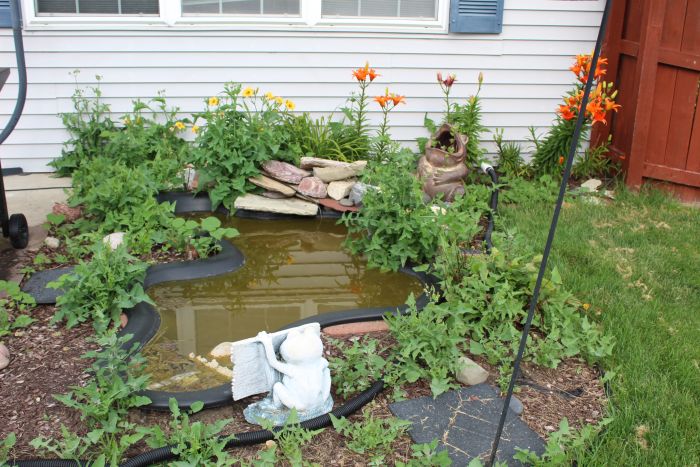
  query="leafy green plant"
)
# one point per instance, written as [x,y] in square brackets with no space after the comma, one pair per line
[396,225]
[359,365]
[563,446]
[290,438]
[466,119]
[594,162]
[6,446]
[326,138]
[510,161]
[14,302]
[242,131]
[86,126]
[103,404]
[203,236]
[101,288]
[371,436]
[489,297]
[428,345]
[195,443]
[427,455]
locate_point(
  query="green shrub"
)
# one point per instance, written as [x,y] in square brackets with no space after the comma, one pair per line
[359,365]
[242,131]
[289,438]
[14,302]
[510,161]
[396,225]
[325,138]
[101,288]
[103,403]
[195,443]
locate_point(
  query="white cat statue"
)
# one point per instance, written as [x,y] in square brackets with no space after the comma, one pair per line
[305,385]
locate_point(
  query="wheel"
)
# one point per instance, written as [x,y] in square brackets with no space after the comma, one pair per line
[19,231]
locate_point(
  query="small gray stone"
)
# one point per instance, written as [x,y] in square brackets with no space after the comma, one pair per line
[357,192]
[52,242]
[471,373]
[592,184]
[346,202]
[515,405]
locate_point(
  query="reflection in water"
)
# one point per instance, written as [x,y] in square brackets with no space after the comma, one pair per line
[293,270]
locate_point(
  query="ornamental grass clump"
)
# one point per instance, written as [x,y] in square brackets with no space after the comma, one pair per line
[551,151]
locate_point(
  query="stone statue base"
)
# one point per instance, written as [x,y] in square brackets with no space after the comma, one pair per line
[267,410]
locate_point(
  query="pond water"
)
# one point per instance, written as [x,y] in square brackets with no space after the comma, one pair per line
[293,269]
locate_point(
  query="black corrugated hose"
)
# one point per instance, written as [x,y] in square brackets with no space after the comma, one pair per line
[249,438]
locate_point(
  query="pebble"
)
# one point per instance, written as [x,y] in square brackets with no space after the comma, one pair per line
[515,405]
[4,356]
[471,373]
[346,202]
[52,242]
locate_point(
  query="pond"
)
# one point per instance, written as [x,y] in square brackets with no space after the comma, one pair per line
[293,269]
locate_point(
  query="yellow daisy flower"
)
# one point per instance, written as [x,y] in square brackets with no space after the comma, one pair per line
[213,101]
[586,306]
[195,129]
[127,121]
[179,125]
[269,96]
[248,92]
[290,105]
[279,100]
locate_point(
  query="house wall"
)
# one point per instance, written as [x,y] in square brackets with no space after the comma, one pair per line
[525,69]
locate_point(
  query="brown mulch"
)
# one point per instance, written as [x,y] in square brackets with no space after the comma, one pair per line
[44,360]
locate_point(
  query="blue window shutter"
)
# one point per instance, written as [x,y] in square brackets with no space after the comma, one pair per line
[476,16]
[5,19]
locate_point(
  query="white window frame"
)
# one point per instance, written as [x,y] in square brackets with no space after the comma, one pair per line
[171,17]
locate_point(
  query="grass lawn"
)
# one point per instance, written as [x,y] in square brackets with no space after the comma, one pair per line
[637,261]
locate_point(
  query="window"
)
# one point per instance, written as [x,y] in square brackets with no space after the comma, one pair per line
[241,7]
[380,8]
[97,7]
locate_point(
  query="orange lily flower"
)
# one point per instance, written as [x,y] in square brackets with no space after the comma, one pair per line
[611,105]
[398,99]
[382,100]
[566,112]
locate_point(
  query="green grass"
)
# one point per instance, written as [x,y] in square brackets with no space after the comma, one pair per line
[637,261]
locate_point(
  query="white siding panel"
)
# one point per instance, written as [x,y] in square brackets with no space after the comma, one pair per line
[525,69]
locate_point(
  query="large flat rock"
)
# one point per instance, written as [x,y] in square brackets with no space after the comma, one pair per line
[332,174]
[284,172]
[280,206]
[309,163]
[465,422]
[272,185]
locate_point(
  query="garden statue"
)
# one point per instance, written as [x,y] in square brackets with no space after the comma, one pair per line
[442,168]
[301,381]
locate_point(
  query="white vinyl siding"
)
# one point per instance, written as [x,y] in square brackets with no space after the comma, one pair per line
[525,70]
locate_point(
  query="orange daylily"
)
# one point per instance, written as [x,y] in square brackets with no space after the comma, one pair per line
[382,100]
[361,74]
[566,112]
[611,105]
[398,99]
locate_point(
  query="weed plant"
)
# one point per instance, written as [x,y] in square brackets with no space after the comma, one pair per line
[14,305]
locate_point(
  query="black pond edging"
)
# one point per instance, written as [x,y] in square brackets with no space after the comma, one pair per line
[144,320]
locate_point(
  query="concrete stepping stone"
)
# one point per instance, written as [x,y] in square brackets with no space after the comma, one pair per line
[465,422]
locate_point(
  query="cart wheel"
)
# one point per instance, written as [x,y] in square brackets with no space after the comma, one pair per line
[19,231]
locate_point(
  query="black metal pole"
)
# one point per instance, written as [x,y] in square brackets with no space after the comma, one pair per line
[16,16]
[552,231]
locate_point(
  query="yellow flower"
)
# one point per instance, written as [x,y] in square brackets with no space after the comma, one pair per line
[279,100]
[290,105]
[127,121]
[248,92]
[213,101]
[269,96]
[179,125]
[586,306]
[195,129]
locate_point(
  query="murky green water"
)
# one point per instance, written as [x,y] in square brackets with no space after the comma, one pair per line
[293,270]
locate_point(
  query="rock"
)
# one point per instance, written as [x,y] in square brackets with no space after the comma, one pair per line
[346,202]
[221,350]
[357,192]
[190,177]
[331,174]
[114,240]
[72,214]
[309,163]
[281,206]
[52,242]
[336,206]
[4,356]
[355,329]
[515,405]
[314,187]
[471,373]
[273,195]
[284,172]
[592,184]
[340,189]
[123,320]
[272,185]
